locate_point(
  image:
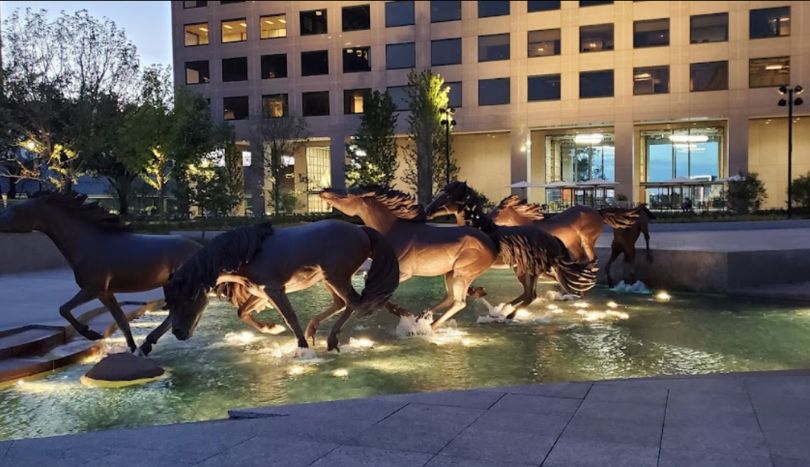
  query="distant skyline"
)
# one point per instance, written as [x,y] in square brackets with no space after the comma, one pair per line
[147,24]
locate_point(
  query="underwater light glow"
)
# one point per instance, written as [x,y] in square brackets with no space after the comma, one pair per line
[341,373]
[663,296]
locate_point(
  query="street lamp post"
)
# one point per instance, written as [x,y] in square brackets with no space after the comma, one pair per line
[447,121]
[790,102]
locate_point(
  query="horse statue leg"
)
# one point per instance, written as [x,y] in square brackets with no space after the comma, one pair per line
[283,305]
[245,313]
[338,303]
[332,340]
[458,292]
[146,348]
[646,232]
[121,320]
[615,251]
[83,296]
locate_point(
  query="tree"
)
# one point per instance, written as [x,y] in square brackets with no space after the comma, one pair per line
[745,194]
[372,152]
[233,177]
[282,137]
[801,190]
[428,97]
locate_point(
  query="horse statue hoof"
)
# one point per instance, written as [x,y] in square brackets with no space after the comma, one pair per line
[144,350]
[92,335]
[332,344]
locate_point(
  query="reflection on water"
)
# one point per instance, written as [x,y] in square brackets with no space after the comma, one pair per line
[227,365]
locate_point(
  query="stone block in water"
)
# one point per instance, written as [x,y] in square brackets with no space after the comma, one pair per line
[122,369]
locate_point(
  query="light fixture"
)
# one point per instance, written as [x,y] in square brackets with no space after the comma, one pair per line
[282,21]
[774,67]
[782,103]
[319,13]
[798,90]
[268,21]
[688,138]
[783,90]
[798,101]
[642,77]
[589,138]
[204,29]
[244,25]
[227,26]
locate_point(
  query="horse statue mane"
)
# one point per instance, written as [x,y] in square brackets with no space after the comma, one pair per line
[92,213]
[402,205]
[227,252]
[525,209]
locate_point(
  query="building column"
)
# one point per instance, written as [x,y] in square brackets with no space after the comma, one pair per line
[337,160]
[254,179]
[520,151]
[627,168]
[737,134]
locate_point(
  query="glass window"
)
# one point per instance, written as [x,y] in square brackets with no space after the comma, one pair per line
[273,26]
[315,63]
[538,5]
[356,18]
[584,3]
[487,8]
[769,72]
[356,59]
[234,30]
[234,69]
[228,2]
[493,91]
[399,95]
[708,76]
[445,52]
[493,47]
[274,66]
[353,100]
[544,43]
[274,105]
[769,22]
[195,34]
[544,88]
[708,28]
[400,56]
[596,84]
[313,22]
[651,80]
[683,153]
[197,72]
[445,10]
[399,14]
[596,38]
[651,33]
[454,95]
[315,104]
[195,3]
[582,157]
[235,108]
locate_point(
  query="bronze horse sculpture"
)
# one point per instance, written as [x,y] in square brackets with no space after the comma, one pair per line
[257,266]
[624,243]
[106,257]
[460,254]
[460,199]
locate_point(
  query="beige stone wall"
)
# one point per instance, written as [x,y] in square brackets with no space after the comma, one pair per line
[483,159]
[767,155]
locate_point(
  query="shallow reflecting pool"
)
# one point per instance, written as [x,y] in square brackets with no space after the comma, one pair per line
[608,335]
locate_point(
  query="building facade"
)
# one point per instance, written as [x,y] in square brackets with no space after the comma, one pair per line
[589,102]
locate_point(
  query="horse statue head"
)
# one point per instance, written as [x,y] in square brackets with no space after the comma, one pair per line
[374,201]
[186,303]
[514,210]
[38,213]
[451,200]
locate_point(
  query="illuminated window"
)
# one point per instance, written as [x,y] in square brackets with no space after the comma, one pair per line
[651,80]
[271,27]
[686,153]
[274,105]
[582,157]
[197,72]
[356,59]
[769,22]
[596,38]
[235,108]
[313,22]
[353,100]
[544,43]
[234,30]
[769,72]
[196,34]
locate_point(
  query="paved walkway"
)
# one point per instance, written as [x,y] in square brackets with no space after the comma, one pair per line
[756,419]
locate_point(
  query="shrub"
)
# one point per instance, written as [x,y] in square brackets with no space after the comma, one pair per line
[801,191]
[746,194]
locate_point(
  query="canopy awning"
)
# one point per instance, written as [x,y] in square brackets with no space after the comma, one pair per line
[683,181]
[588,184]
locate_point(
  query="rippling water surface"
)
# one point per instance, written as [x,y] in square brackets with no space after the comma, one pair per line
[228,365]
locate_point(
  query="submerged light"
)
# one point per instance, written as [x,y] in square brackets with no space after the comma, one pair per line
[612,304]
[340,373]
[663,296]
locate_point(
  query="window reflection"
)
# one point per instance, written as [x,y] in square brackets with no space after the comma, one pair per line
[580,157]
[682,154]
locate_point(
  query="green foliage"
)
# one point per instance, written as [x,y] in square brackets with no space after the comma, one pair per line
[801,191]
[426,160]
[371,156]
[281,136]
[746,194]
[233,177]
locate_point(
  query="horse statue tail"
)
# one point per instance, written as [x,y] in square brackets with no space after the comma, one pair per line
[575,278]
[383,276]
[619,218]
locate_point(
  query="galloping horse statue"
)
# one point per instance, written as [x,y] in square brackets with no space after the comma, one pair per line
[624,243]
[257,266]
[460,199]
[461,254]
[105,256]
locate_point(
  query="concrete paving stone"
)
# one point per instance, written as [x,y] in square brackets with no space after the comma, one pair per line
[779,461]
[522,422]
[685,399]
[630,411]
[587,453]
[536,404]
[357,456]
[500,446]
[681,458]
[353,409]
[789,386]
[420,428]
[788,436]
[308,428]
[98,455]
[636,395]
[449,461]
[719,419]
[472,399]
[722,384]
[774,403]
[271,451]
[568,390]
[707,438]
[616,431]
